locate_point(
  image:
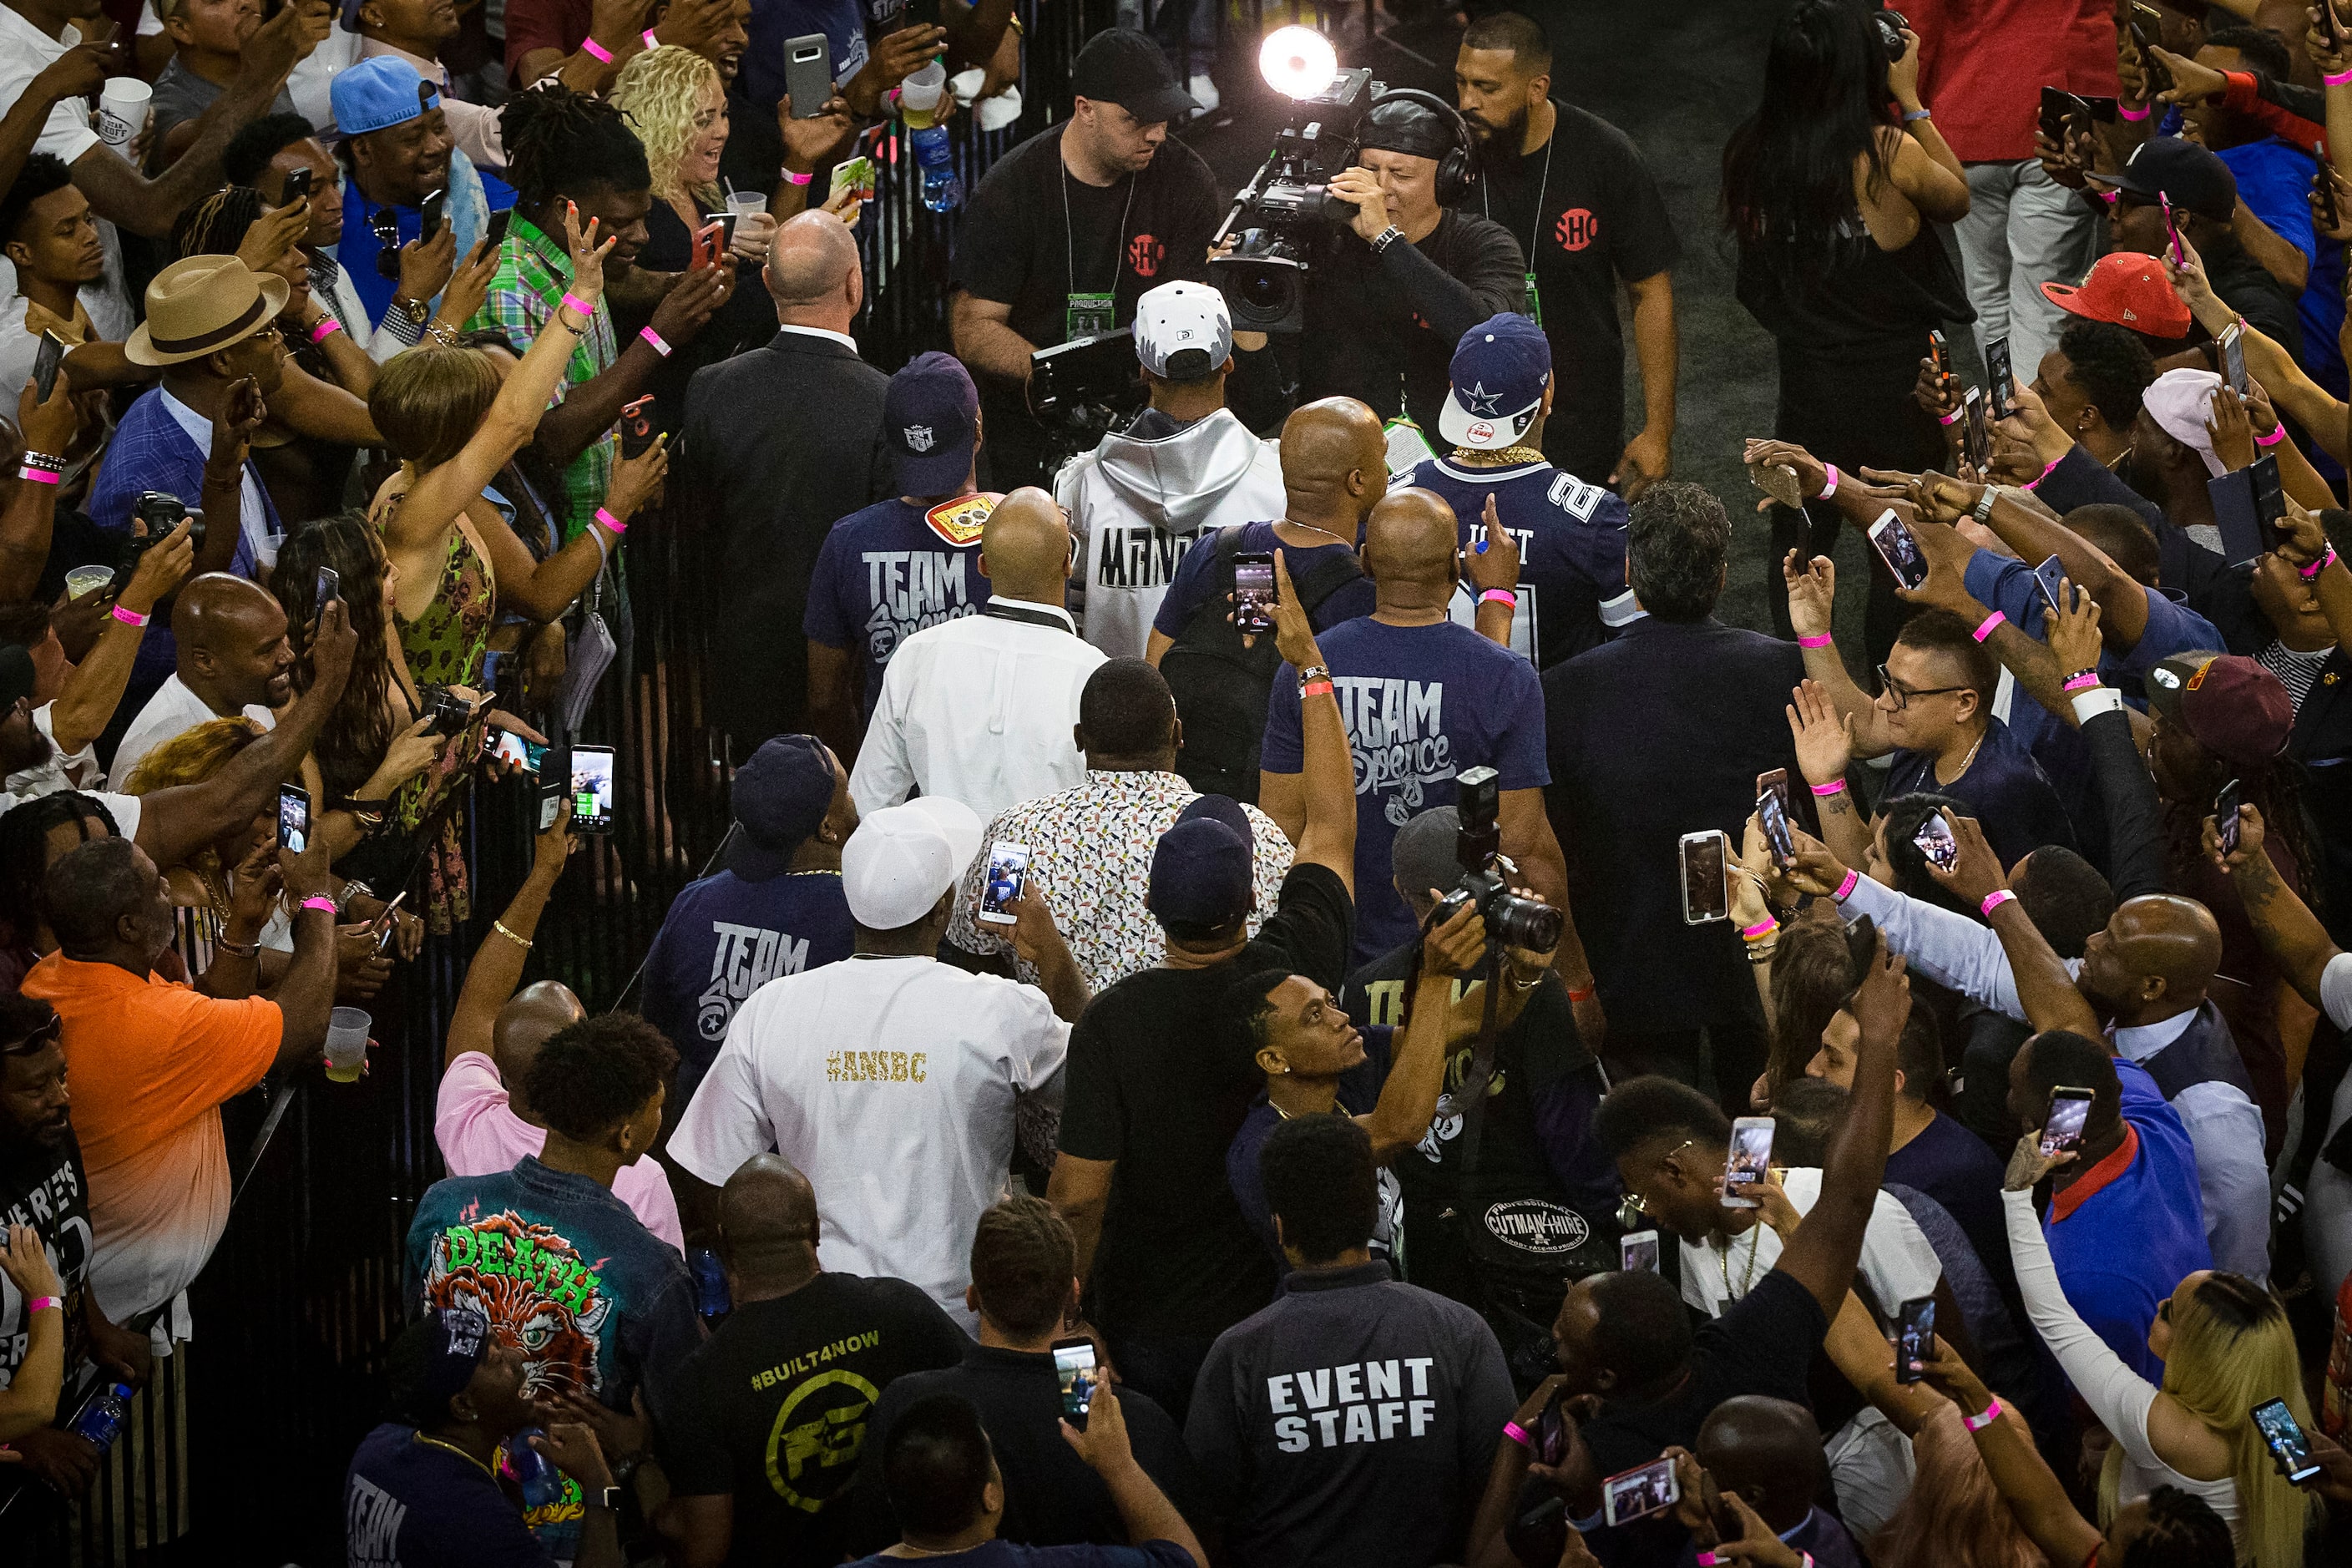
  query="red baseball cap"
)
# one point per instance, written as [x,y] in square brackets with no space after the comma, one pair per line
[2129,290]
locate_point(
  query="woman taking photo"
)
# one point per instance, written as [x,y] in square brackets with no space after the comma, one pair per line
[1834,189]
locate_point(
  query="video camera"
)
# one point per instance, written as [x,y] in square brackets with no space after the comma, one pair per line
[1286,207]
[1081,389]
[161,512]
[1511,919]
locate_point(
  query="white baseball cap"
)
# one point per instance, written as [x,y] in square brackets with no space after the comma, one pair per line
[1176,320]
[902,857]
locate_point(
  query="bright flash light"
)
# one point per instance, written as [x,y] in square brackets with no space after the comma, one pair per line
[1298,62]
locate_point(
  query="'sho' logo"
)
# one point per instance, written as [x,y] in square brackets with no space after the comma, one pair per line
[1533,1225]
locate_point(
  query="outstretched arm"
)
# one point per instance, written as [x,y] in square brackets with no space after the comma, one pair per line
[2290,932]
[2044,988]
[1329,774]
[498,963]
[1822,1254]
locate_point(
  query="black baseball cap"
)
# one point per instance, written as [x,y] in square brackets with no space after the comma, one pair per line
[2192,178]
[1124,67]
[779,797]
[1408,126]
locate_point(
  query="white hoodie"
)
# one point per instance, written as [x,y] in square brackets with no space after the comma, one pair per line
[1136,507]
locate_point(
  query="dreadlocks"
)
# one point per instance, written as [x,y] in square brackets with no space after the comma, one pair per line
[217,225]
[560,142]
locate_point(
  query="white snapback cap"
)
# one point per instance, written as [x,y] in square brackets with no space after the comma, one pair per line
[902,857]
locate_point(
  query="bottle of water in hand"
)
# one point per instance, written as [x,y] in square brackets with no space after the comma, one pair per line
[100,1421]
[918,101]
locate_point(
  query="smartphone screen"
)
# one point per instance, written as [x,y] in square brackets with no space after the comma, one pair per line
[45,361]
[1999,381]
[1773,817]
[2225,816]
[550,799]
[1706,896]
[2270,497]
[293,818]
[2070,1111]
[1895,546]
[1935,840]
[1074,1365]
[1637,1251]
[592,789]
[2233,357]
[1976,443]
[1940,351]
[1915,1334]
[1639,1492]
[2050,575]
[1254,591]
[1775,782]
[1008,868]
[1751,1156]
[2282,1435]
[516,750]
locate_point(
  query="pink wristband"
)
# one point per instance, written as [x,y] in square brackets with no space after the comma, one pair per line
[1846,886]
[2278,434]
[1992,622]
[1499,596]
[1835,787]
[792,179]
[38,476]
[596,51]
[2134,113]
[322,903]
[129,617]
[1518,1434]
[2340,79]
[1950,418]
[2311,574]
[1994,900]
[1761,930]
[647,38]
[1829,485]
[1823,641]
[609,520]
[42,1304]
[2087,681]
[327,327]
[1992,1411]
[587,311]
[2047,469]
[655,339]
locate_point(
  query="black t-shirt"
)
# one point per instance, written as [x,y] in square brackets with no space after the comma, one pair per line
[1377,325]
[1587,214]
[747,320]
[44,1187]
[753,158]
[772,1410]
[1159,1079]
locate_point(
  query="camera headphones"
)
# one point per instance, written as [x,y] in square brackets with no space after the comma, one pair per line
[1457,170]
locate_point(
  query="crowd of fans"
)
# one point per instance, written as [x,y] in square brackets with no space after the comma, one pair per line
[1218,1029]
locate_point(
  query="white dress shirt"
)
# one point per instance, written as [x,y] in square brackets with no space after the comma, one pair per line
[978,709]
[2222,1124]
[866,1072]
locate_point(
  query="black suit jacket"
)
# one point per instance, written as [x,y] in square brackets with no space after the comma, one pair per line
[779,445]
[1660,734]
[2321,742]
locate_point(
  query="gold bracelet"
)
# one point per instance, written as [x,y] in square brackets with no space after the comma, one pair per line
[501,927]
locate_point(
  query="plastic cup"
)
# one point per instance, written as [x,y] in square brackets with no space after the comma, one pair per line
[86,579]
[347,1039]
[123,106]
[743,204]
[922,89]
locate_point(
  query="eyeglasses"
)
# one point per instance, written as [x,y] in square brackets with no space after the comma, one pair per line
[386,229]
[36,1041]
[1903,694]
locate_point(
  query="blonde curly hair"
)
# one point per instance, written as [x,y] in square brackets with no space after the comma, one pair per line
[657,94]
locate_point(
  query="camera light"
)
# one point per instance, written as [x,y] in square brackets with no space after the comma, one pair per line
[1298,62]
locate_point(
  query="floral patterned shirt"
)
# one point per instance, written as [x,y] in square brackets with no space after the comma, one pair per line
[1090,860]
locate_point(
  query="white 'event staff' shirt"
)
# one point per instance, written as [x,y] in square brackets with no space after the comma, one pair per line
[864,1072]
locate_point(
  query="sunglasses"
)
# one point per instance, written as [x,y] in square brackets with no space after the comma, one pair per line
[38,1040]
[386,229]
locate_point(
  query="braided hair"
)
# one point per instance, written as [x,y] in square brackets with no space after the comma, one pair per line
[218,225]
[2182,1532]
[560,142]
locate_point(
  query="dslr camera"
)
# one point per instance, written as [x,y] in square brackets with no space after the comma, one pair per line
[1286,208]
[449,713]
[1510,920]
[161,512]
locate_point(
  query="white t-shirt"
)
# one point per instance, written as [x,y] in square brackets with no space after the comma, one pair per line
[61,773]
[1896,1260]
[172,712]
[890,1083]
[2336,989]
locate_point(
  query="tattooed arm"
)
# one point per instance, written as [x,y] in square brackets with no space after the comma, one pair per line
[2291,934]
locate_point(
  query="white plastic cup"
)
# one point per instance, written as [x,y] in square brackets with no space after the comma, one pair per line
[347,1037]
[921,91]
[85,579]
[123,107]
[743,204]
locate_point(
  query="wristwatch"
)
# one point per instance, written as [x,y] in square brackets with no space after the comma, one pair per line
[412,311]
[609,1499]
[1386,237]
[1984,503]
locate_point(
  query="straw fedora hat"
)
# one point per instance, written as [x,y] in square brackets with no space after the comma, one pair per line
[201,304]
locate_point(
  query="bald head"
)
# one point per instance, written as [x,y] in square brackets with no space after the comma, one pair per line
[813,269]
[524,1024]
[767,1215]
[233,651]
[1767,1450]
[1334,454]
[1410,545]
[2168,938]
[1025,547]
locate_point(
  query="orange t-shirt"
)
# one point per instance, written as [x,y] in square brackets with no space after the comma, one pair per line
[149,1063]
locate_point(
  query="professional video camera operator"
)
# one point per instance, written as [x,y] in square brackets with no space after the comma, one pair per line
[1387,298]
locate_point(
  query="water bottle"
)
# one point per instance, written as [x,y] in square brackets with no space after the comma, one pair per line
[942,187]
[710,1297]
[100,1421]
[535,1474]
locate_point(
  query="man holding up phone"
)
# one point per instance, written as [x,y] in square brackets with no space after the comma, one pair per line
[233,656]
[399,150]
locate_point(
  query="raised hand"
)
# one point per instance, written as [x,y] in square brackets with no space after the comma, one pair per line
[2073,632]
[1824,737]
[1812,589]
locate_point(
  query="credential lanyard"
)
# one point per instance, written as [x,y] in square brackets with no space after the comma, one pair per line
[1535,230]
[1086,315]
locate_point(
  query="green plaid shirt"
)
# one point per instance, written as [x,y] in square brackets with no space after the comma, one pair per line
[533,272]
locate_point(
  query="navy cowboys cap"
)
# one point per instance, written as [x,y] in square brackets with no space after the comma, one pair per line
[779,797]
[931,417]
[1499,373]
[1201,868]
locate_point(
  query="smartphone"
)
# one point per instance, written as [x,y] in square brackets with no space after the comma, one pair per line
[45,361]
[2225,816]
[1008,868]
[430,223]
[2325,188]
[2232,495]
[1074,1366]
[1254,591]
[2172,230]
[385,930]
[298,187]
[1706,890]
[1637,1251]
[552,789]
[808,74]
[1935,840]
[1999,381]
[1550,1434]
[2051,575]
[1914,1337]
[2062,1129]
[2065,115]
[637,426]
[852,173]
[2284,1438]
[592,789]
[293,818]
[1895,546]
[2145,26]
[1639,1492]
[518,750]
[1775,782]
[1939,349]
[2103,109]
[2269,497]
[1976,436]
[2233,357]
[1751,1156]
[1772,815]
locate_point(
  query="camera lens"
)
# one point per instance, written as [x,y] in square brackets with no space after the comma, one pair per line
[1524,923]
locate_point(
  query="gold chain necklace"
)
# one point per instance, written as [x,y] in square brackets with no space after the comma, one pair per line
[1473,457]
[1748,1281]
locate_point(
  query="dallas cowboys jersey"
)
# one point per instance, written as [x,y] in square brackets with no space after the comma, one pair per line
[1571,539]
